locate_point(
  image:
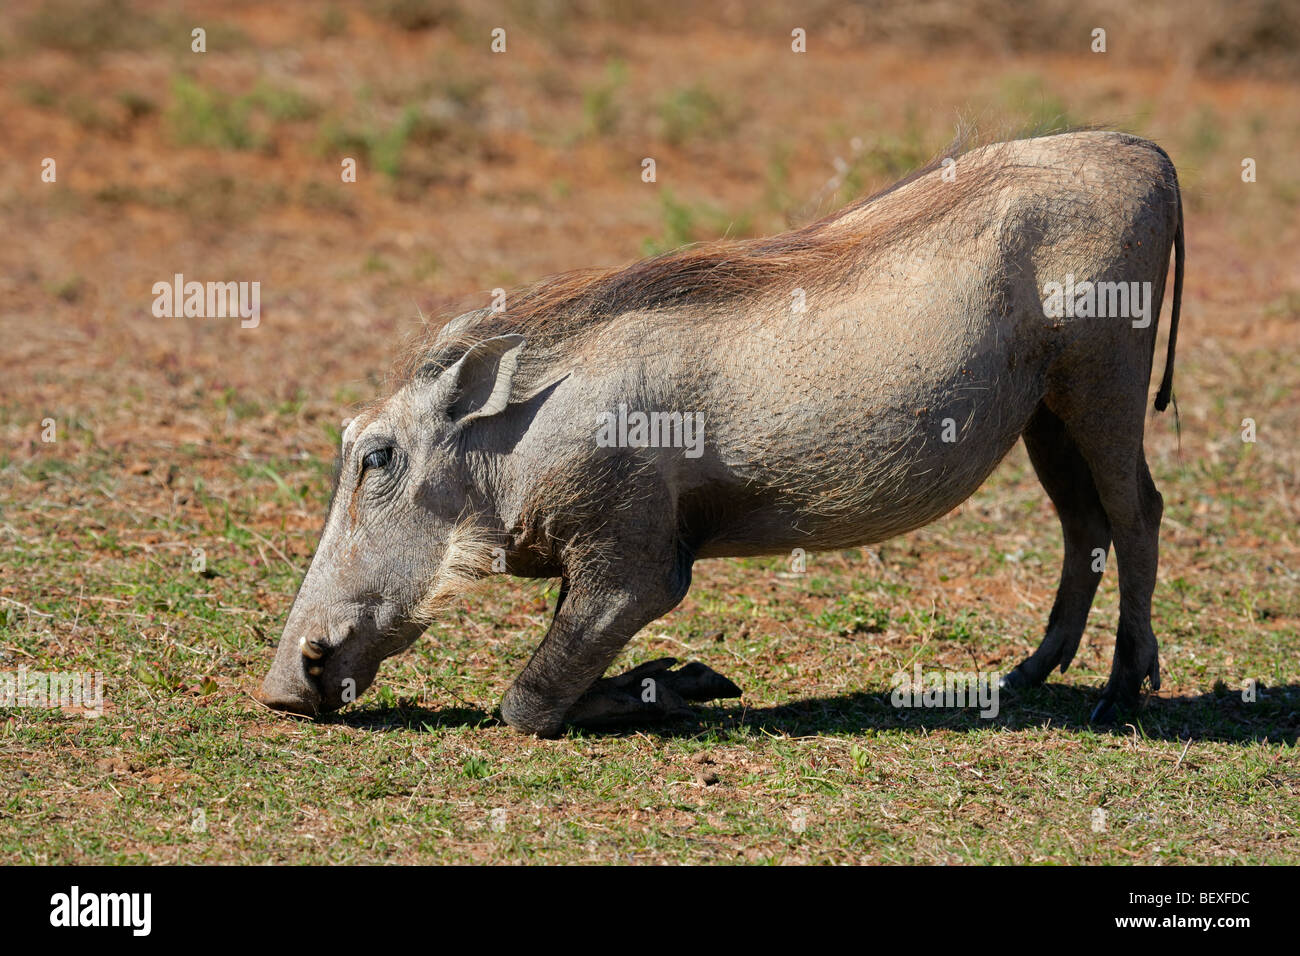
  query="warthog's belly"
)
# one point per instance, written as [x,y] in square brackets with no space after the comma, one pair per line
[871,447]
[772,514]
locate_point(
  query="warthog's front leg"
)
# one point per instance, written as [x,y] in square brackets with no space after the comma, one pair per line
[595,617]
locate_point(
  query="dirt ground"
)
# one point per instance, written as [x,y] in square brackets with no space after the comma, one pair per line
[184,443]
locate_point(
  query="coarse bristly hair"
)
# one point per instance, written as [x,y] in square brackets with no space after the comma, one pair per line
[555,311]
[465,566]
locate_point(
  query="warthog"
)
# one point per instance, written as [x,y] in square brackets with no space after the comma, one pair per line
[853,380]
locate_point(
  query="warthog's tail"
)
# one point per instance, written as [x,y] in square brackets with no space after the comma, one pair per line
[1167,382]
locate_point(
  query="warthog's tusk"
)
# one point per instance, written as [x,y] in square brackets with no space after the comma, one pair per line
[311,649]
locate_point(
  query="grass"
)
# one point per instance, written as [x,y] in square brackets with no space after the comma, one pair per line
[600,107]
[92,27]
[415,15]
[684,221]
[813,765]
[199,116]
[693,112]
[409,148]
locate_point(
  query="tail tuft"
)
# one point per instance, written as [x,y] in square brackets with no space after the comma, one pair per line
[1167,381]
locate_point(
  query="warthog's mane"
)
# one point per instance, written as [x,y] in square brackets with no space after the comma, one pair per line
[560,313]
[556,312]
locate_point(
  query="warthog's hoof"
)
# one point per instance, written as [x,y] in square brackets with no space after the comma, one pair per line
[1015,680]
[1115,706]
[650,692]
[1104,713]
[1123,693]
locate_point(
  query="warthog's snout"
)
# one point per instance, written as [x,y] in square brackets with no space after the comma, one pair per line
[295,697]
[325,660]
[289,685]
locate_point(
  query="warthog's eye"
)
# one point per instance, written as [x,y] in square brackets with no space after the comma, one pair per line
[379,458]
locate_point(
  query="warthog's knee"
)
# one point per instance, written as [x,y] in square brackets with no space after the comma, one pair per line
[531,713]
[1155,505]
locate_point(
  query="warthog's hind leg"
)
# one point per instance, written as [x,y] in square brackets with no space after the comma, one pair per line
[1068,482]
[652,691]
[1135,508]
[1108,433]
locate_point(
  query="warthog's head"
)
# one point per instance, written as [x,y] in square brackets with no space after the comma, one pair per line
[401,539]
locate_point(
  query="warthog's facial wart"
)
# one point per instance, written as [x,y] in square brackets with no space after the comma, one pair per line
[401,539]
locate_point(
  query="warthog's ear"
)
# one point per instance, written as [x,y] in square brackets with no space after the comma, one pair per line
[460,325]
[478,385]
